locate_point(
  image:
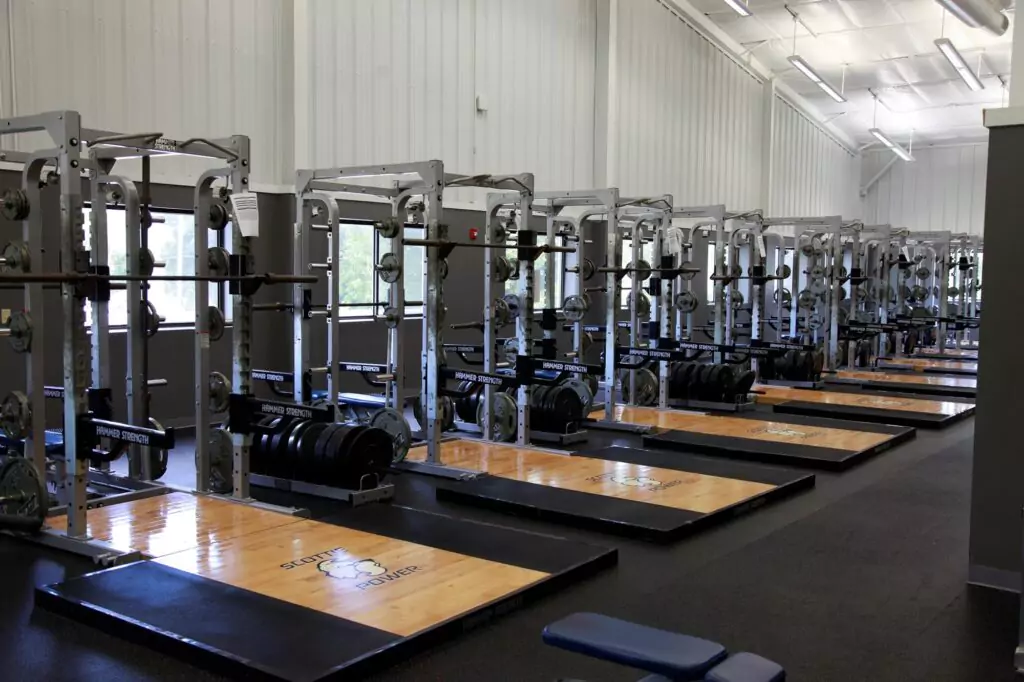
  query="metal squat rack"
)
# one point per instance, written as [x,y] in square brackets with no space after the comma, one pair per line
[85,275]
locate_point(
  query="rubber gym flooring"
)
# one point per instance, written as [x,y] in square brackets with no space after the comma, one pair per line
[861,578]
[852,402]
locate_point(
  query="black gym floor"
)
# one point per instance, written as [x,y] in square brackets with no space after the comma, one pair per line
[862,578]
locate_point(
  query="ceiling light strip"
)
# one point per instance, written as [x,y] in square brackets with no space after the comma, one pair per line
[806,69]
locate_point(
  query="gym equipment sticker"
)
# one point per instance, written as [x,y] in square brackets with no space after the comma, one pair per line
[782,431]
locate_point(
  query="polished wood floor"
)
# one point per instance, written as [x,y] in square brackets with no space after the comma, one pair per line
[907,378]
[756,429]
[164,524]
[396,586]
[921,364]
[666,487]
[773,395]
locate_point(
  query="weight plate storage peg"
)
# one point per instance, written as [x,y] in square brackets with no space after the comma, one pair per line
[15,415]
[218,261]
[221,453]
[19,325]
[220,390]
[574,308]
[504,416]
[388,269]
[16,258]
[686,302]
[158,457]
[215,323]
[391,316]
[23,497]
[391,421]
[150,318]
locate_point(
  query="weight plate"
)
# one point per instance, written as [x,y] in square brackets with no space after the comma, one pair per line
[19,327]
[743,384]
[504,417]
[588,270]
[277,453]
[335,456]
[261,464]
[16,258]
[218,261]
[367,455]
[23,497]
[923,272]
[575,307]
[319,464]
[388,269]
[711,388]
[815,321]
[736,299]
[447,413]
[221,453]
[806,299]
[686,276]
[15,415]
[305,462]
[393,422]
[784,271]
[290,463]
[817,272]
[220,391]
[817,287]
[215,323]
[686,302]
[150,318]
[580,388]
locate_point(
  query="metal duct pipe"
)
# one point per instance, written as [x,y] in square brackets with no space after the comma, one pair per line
[978,14]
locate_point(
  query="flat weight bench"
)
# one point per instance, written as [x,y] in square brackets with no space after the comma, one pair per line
[669,656]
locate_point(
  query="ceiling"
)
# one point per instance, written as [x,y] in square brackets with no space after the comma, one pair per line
[877,47]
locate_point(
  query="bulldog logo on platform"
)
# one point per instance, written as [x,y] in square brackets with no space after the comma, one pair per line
[638,481]
[782,431]
[882,402]
[351,569]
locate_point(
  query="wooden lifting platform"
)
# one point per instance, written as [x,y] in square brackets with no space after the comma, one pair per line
[907,382]
[657,503]
[849,403]
[246,591]
[780,439]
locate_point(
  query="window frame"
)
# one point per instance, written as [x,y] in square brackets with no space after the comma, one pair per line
[220,238]
[379,288]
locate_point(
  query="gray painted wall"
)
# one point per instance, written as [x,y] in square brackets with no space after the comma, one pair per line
[997,492]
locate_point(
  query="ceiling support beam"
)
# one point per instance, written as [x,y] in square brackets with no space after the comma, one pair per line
[878,176]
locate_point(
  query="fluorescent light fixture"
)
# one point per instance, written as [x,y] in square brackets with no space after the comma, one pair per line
[895,148]
[953,55]
[739,7]
[806,70]
[978,14]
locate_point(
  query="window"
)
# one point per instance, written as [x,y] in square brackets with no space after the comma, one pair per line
[359,249]
[172,242]
[710,270]
[540,279]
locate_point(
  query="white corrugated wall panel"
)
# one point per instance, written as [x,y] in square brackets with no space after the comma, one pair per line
[689,118]
[398,80]
[813,173]
[185,68]
[942,189]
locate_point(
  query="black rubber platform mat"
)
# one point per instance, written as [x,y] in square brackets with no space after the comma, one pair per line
[779,452]
[216,626]
[638,520]
[925,420]
[246,635]
[824,422]
[483,540]
[937,370]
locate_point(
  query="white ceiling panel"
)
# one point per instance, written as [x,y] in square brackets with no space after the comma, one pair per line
[877,48]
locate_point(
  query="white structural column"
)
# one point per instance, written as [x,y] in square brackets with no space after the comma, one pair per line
[1017,67]
[768,147]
